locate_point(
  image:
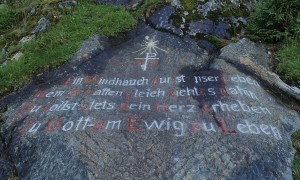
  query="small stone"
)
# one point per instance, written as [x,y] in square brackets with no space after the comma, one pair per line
[85,55]
[207,7]
[17,56]
[43,24]
[32,11]
[134,6]
[175,3]
[183,20]
[27,39]
[69,4]
[186,13]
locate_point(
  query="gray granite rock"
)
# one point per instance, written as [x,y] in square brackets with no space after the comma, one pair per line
[211,48]
[160,19]
[6,169]
[237,21]
[262,160]
[17,56]
[214,5]
[151,107]
[32,11]
[246,48]
[43,24]
[68,4]
[253,58]
[207,26]
[27,39]
[176,4]
[209,6]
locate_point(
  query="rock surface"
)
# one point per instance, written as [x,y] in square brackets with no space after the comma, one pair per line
[69,4]
[207,26]
[43,24]
[27,39]
[152,107]
[253,58]
[160,19]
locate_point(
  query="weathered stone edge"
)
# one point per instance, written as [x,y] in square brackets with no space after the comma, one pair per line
[270,79]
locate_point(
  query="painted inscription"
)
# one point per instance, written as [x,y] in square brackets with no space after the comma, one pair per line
[108,87]
[97,103]
[179,128]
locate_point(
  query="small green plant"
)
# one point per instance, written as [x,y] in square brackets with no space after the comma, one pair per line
[219,43]
[274,20]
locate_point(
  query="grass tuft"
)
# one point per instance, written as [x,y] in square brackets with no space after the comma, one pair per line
[7,18]
[289,66]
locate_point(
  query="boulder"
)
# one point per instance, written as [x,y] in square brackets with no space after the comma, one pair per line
[151,107]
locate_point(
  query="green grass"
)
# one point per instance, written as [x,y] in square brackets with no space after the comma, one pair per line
[189,5]
[7,18]
[60,42]
[289,66]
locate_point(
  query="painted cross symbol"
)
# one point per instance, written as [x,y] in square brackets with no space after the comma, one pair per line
[149,57]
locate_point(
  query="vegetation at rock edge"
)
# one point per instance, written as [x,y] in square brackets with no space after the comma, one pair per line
[57,45]
[278,21]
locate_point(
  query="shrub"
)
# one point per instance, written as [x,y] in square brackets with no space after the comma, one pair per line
[274,20]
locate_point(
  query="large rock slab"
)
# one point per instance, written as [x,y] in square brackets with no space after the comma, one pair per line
[148,108]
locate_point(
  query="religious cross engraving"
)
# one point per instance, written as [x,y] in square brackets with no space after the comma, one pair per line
[149,45]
